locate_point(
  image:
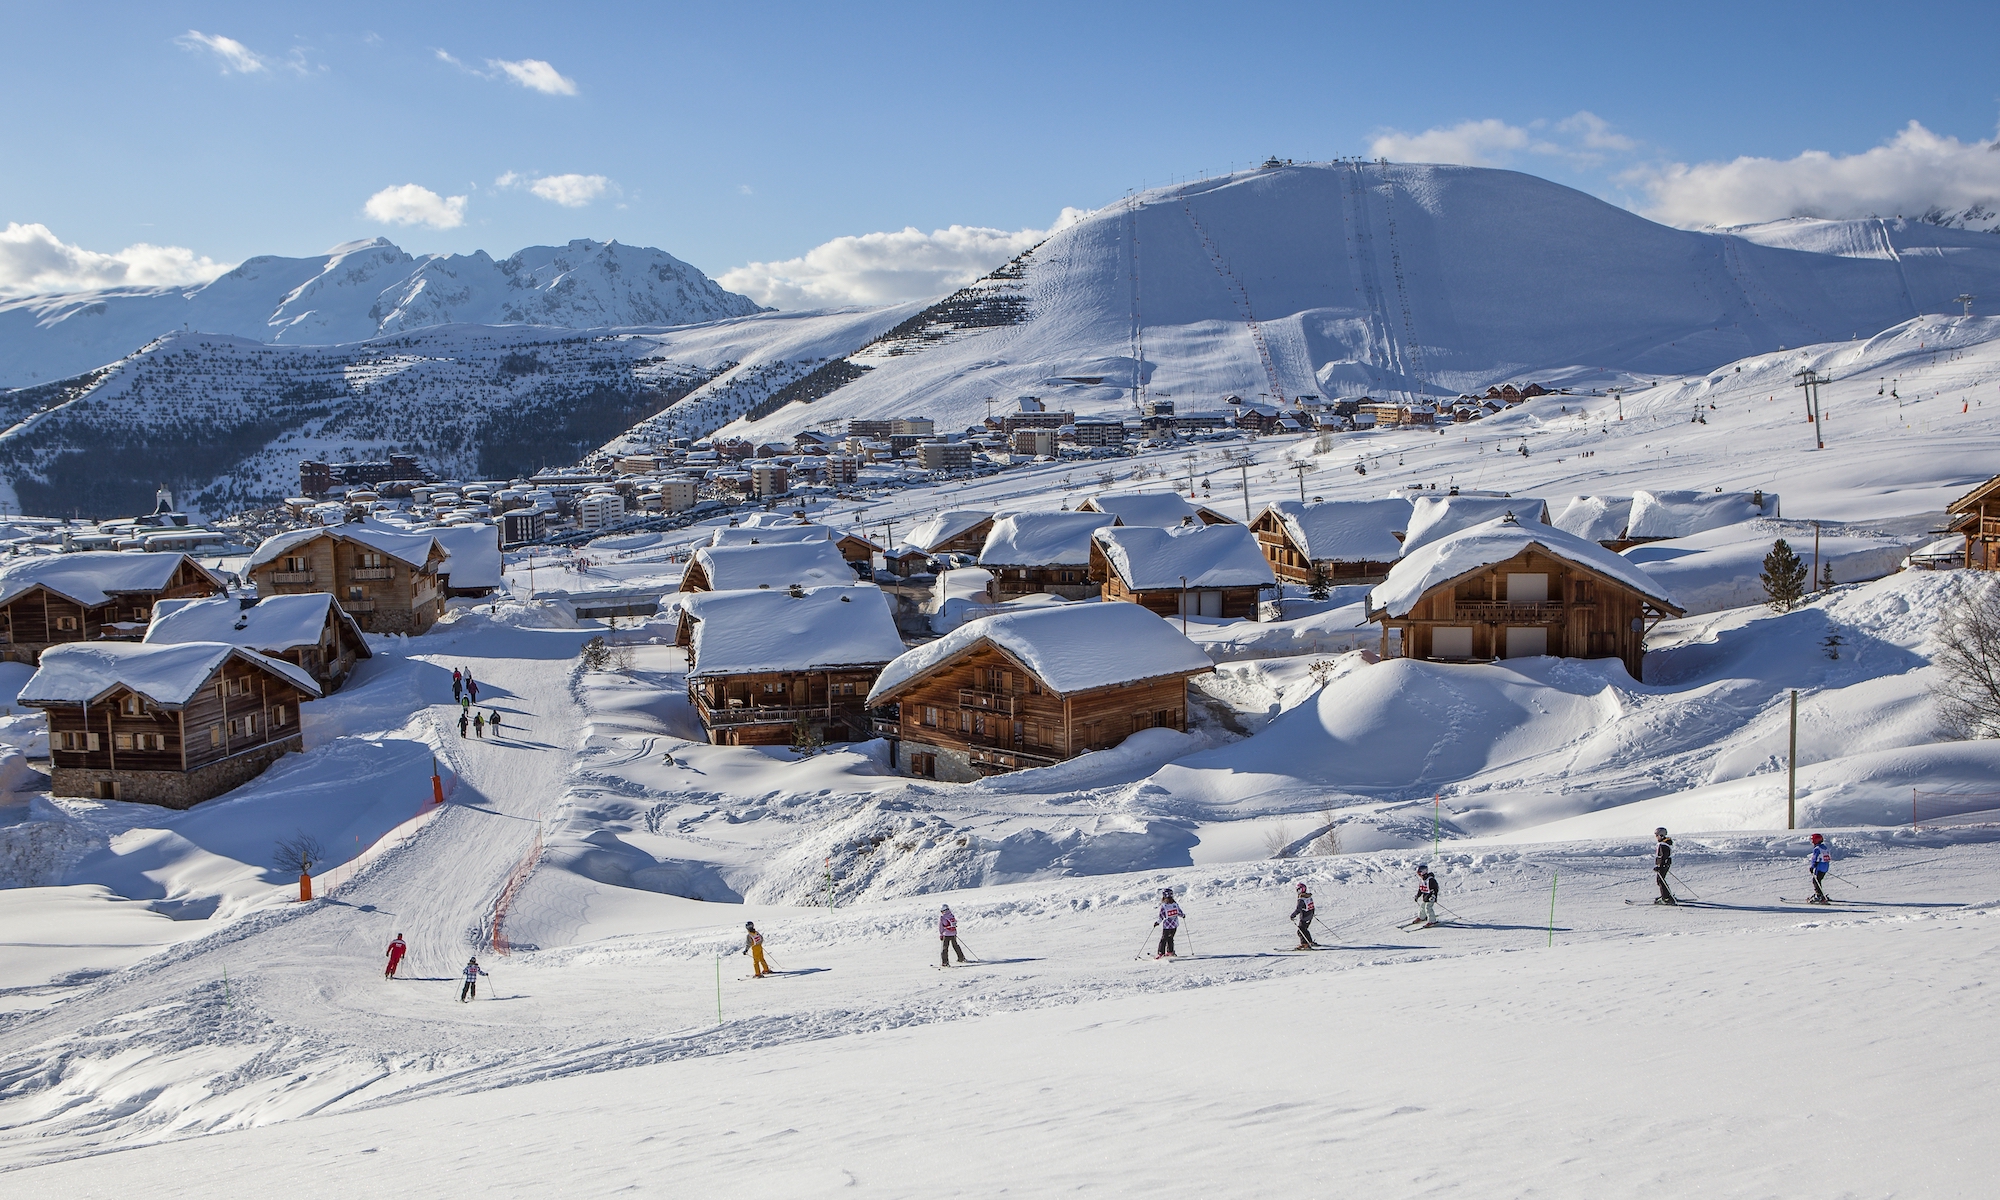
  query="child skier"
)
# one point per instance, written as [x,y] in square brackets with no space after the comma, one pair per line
[1663,862]
[1821,863]
[1427,894]
[948,938]
[396,951]
[1302,916]
[753,945]
[472,973]
[1169,922]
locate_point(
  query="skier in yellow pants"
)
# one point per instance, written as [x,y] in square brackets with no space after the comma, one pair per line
[753,945]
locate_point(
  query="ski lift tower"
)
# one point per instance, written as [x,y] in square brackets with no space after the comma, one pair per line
[1811,381]
[1966,298]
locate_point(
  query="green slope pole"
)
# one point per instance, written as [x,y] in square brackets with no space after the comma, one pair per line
[1552,906]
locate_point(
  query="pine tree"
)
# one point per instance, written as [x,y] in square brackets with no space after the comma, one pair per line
[1321,583]
[1784,577]
[1826,574]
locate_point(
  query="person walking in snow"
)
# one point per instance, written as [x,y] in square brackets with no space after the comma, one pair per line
[472,973]
[1663,863]
[396,951]
[472,687]
[1427,896]
[948,937]
[457,685]
[462,722]
[465,705]
[1168,923]
[1302,916]
[753,945]
[1821,863]
[493,719]
[479,724]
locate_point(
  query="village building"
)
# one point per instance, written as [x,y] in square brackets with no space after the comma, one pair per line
[1438,516]
[813,563]
[1193,571]
[1514,589]
[961,531]
[1341,541]
[857,550]
[1032,688]
[308,630]
[165,724]
[1975,516]
[1161,509]
[765,667]
[388,581]
[49,599]
[1042,552]
[472,566]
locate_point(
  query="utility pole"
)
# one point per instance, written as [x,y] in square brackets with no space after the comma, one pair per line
[1183,606]
[1792,769]
[1811,380]
[1619,392]
[1300,469]
[1816,586]
[1244,465]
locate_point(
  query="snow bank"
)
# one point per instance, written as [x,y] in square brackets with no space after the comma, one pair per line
[1722,568]
[1681,514]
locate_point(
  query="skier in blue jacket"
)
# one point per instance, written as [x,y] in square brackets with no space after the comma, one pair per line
[1821,863]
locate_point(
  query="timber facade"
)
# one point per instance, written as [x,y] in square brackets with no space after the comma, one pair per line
[41,617]
[1071,583]
[384,593]
[1227,602]
[1533,603]
[983,713]
[765,708]
[1976,515]
[1291,564]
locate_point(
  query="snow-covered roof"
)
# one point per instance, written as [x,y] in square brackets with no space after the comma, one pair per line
[1043,539]
[1162,509]
[1070,648]
[939,528]
[1599,518]
[1681,514]
[92,577]
[1433,517]
[1496,541]
[771,535]
[412,548]
[167,675]
[474,552]
[274,623]
[1345,530]
[1204,556]
[780,565]
[821,629]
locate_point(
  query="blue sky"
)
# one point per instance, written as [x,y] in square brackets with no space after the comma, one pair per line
[732,134]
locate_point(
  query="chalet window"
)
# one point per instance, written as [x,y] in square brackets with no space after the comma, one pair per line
[924,765]
[1451,641]
[122,741]
[930,716]
[1018,731]
[1034,686]
[355,593]
[280,716]
[964,721]
[1585,592]
[1527,588]
[773,687]
[132,706]
[76,742]
[66,623]
[371,559]
[296,565]
[142,613]
[1069,576]
[215,735]
[1163,718]
[148,741]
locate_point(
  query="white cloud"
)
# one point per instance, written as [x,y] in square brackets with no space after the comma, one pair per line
[508,179]
[33,260]
[885,268]
[1485,143]
[234,56]
[413,204]
[1915,173]
[1594,132]
[570,191]
[536,75]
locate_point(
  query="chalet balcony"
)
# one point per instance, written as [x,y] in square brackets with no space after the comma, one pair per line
[994,702]
[291,577]
[358,606]
[1503,612]
[762,714]
[1007,758]
[364,574]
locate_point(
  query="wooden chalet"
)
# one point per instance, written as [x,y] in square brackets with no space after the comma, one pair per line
[814,562]
[47,600]
[763,663]
[1508,589]
[1976,517]
[1032,688]
[309,630]
[1195,570]
[165,724]
[1344,541]
[1043,552]
[857,550]
[958,532]
[1165,510]
[387,580]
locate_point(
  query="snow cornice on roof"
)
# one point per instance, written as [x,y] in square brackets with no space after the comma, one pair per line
[168,676]
[1071,648]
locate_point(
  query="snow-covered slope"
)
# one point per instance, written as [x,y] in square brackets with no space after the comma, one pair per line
[1370,277]
[359,291]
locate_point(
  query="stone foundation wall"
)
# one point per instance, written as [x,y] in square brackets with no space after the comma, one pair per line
[952,765]
[176,789]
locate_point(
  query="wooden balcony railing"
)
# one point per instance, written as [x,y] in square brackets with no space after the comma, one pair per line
[291,577]
[996,702]
[368,573]
[1506,612]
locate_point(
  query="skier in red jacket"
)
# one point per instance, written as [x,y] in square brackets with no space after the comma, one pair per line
[396,951]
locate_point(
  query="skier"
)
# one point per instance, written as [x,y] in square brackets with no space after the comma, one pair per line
[1427,894]
[1822,862]
[493,719]
[1169,922]
[753,945]
[1663,862]
[948,937]
[462,722]
[1302,916]
[396,951]
[479,724]
[472,973]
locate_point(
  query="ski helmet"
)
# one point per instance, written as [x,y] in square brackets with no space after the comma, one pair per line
[1422,869]
[749,924]
[1167,894]
[1816,839]
[1302,887]
[1660,832]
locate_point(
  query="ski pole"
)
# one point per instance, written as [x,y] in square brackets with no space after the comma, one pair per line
[1683,883]
[1147,942]
[969,951]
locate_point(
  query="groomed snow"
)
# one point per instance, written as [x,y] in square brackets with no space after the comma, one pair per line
[1434,517]
[1497,541]
[274,623]
[1346,530]
[169,676]
[1042,539]
[815,563]
[1072,648]
[1150,558]
[92,577]
[819,629]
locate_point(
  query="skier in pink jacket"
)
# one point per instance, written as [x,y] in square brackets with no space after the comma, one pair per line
[948,938]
